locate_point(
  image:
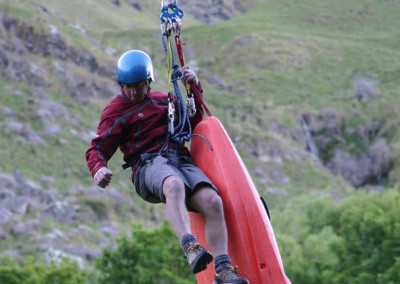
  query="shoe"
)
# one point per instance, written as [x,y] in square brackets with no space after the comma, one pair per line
[198,257]
[229,276]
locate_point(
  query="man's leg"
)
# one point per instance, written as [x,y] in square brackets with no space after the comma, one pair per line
[209,204]
[176,211]
[178,216]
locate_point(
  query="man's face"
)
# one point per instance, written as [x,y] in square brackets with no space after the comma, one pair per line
[136,92]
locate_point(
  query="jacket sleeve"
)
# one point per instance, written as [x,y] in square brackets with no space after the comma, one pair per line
[104,144]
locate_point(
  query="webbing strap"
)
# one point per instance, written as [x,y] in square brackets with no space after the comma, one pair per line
[193,87]
[169,63]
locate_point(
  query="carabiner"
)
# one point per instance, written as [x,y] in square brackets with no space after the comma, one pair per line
[167,1]
[171,114]
[177,26]
[190,106]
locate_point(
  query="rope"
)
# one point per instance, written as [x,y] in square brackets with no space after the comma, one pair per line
[174,75]
[193,87]
[170,20]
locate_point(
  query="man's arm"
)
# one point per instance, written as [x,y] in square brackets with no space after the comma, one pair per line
[189,76]
[102,148]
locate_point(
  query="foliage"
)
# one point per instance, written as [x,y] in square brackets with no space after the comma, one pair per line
[32,271]
[148,256]
[369,224]
[356,240]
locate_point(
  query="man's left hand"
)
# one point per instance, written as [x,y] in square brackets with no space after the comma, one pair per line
[189,76]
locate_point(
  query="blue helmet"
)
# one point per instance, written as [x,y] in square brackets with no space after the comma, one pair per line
[134,66]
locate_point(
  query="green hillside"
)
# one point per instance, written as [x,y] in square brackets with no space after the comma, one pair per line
[265,71]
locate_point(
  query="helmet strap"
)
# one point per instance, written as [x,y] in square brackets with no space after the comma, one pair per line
[148,85]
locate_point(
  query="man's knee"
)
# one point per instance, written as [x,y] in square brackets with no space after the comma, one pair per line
[210,201]
[215,203]
[173,187]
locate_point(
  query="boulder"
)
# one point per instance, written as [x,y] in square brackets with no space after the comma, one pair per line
[24,228]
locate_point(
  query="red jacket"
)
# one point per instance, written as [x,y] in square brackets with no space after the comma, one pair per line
[134,128]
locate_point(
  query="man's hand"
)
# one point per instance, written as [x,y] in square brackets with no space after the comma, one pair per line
[103,177]
[188,75]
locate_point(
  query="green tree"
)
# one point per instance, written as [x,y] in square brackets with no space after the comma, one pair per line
[32,271]
[369,223]
[354,240]
[148,256]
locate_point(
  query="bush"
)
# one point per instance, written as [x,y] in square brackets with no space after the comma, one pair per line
[32,271]
[356,240]
[152,256]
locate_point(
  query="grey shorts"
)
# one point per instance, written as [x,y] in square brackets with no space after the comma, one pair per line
[153,170]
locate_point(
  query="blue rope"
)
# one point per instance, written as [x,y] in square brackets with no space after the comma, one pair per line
[179,135]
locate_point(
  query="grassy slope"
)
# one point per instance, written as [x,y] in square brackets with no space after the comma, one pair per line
[289,57]
[307,53]
[280,59]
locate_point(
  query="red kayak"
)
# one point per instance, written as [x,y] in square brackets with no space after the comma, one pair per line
[252,245]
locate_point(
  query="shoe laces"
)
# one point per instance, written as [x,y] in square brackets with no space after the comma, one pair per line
[229,273]
[193,249]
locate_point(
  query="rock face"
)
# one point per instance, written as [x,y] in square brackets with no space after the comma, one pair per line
[48,43]
[19,65]
[364,168]
[26,208]
[214,11]
[40,58]
[354,153]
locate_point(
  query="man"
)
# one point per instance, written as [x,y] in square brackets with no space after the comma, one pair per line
[136,122]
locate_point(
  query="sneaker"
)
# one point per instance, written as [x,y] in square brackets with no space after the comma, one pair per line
[198,257]
[229,276]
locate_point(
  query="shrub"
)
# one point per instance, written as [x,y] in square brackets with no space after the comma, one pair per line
[32,271]
[148,256]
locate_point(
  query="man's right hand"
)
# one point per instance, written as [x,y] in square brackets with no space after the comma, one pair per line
[103,177]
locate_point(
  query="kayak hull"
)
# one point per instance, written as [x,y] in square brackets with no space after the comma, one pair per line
[251,245]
